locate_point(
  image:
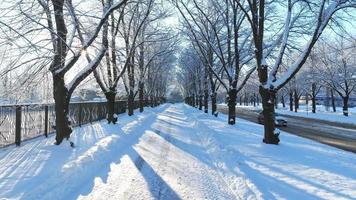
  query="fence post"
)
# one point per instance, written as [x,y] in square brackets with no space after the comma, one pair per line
[18,126]
[46,121]
[80,115]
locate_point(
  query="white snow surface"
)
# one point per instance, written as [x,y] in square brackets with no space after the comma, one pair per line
[176,152]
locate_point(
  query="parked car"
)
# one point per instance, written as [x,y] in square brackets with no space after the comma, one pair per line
[278,121]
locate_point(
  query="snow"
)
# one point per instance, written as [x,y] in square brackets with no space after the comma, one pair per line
[321,113]
[176,152]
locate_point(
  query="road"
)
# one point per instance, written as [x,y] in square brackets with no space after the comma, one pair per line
[342,136]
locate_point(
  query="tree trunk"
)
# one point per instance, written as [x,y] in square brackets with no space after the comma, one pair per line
[283,101]
[276,102]
[291,101]
[141,96]
[232,106]
[268,98]
[295,101]
[206,101]
[333,100]
[345,108]
[130,103]
[200,102]
[131,97]
[110,98]
[197,101]
[245,100]
[60,92]
[61,99]
[313,104]
[254,99]
[213,105]
[240,100]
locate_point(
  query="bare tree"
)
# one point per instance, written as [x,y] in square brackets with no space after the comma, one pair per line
[219,25]
[297,13]
[339,68]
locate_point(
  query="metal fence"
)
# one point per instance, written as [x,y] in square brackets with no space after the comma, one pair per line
[23,122]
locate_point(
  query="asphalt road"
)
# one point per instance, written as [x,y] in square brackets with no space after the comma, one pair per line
[342,136]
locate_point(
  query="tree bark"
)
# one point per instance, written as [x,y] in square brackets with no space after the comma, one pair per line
[268,98]
[213,105]
[131,96]
[200,102]
[291,101]
[61,99]
[60,91]
[110,98]
[197,101]
[193,100]
[254,99]
[333,100]
[283,101]
[130,103]
[296,101]
[313,104]
[232,106]
[345,108]
[206,101]
[141,96]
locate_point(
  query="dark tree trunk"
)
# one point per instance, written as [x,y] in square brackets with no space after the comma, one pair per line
[213,105]
[276,102]
[197,101]
[110,98]
[258,100]
[240,100]
[283,101]
[246,100]
[313,104]
[131,97]
[345,108]
[254,99]
[296,101]
[200,102]
[268,99]
[193,100]
[232,106]
[206,101]
[60,92]
[130,103]
[61,99]
[291,101]
[141,96]
[333,100]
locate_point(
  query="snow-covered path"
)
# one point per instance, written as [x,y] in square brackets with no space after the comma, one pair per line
[176,152]
[165,164]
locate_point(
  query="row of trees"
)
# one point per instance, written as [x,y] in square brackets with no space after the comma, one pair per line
[122,43]
[229,39]
[330,71]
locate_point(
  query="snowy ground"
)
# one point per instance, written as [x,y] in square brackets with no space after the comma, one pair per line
[176,152]
[321,113]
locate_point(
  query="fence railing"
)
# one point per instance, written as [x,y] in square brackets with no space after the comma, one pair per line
[23,122]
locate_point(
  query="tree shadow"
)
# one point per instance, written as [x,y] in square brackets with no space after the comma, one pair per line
[157,186]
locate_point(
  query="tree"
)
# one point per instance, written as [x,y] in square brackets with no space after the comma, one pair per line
[65,53]
[218,26]
[339,68]
[297,13]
